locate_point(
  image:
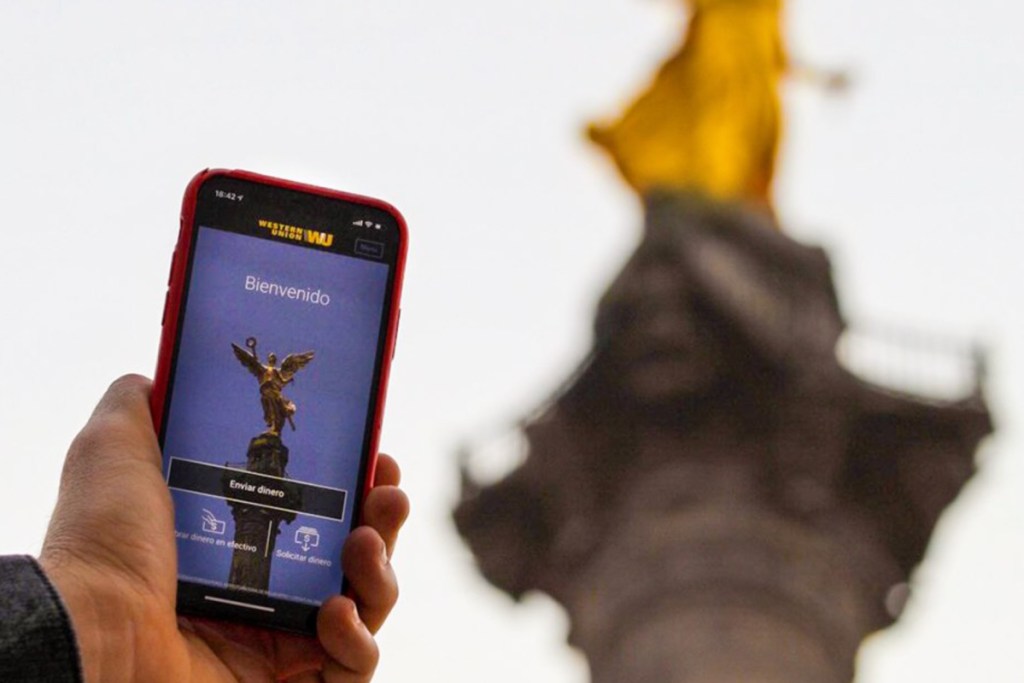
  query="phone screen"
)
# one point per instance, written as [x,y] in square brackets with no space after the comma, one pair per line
[270,404]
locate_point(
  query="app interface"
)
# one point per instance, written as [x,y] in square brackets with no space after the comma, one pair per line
[267,417]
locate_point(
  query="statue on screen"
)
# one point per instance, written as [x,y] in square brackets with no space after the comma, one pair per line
[276,408]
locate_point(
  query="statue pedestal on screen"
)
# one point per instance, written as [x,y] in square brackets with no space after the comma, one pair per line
[257,526]
[712,497]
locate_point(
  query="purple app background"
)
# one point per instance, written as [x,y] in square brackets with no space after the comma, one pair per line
[215,406]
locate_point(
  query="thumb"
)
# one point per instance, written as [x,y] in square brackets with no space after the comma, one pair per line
[128,396]
[112,488]
[120,430]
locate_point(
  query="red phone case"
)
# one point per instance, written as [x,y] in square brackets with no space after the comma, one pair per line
[176,288]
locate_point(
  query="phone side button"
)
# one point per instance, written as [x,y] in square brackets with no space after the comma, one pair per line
[174,259]
[163,316]
[398,326]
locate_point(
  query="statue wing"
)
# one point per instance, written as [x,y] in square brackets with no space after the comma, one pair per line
[248,360]
[293,363]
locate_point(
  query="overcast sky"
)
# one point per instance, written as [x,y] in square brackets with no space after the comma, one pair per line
[467,116]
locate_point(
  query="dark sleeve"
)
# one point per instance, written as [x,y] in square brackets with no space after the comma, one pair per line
[36,640]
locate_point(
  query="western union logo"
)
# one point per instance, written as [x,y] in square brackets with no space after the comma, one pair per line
[296,233]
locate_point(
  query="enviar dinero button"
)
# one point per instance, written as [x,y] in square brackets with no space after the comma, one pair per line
[240,486]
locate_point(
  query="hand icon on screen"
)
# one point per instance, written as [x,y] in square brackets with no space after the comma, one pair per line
[211,524]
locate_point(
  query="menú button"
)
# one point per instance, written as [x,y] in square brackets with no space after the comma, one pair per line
[369,248]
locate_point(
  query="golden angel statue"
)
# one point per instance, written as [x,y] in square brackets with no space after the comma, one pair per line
[710,120]
[276,408]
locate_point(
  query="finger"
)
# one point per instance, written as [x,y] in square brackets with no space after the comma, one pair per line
[334,672]
[218,654]
[388,473]
[370,576]
[385,511]
[352,652]
[114,511]
[116,451]
[128,393]
[308,677]
[288,655]
[295,654]
[121,426]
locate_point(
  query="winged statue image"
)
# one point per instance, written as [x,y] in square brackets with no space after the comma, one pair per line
[710,120]
[276,408]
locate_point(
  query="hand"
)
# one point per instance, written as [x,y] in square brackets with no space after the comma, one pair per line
[110,552]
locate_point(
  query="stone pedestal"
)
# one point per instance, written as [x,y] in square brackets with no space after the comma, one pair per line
[712,498]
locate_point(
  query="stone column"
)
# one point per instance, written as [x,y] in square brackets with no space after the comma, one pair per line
[711,497]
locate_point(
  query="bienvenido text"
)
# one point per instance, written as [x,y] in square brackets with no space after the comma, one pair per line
[304,294]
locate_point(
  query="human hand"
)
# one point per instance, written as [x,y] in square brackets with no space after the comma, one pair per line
[110,552]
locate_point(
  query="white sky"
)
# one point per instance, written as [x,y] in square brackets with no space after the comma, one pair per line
[467,116]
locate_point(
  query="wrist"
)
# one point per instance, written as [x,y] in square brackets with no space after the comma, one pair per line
[100,616]
[36,640]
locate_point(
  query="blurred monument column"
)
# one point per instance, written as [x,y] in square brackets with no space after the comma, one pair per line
[711,496]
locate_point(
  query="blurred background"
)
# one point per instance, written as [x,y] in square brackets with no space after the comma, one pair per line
[468,116]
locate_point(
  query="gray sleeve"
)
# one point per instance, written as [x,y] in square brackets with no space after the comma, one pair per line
[36,640]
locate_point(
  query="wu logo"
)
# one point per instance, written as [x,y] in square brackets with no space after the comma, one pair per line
[323,239]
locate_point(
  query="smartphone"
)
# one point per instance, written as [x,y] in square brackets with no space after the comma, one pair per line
[279,327]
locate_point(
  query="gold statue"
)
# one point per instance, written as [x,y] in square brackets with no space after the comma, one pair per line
[276,408]
[710,121]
